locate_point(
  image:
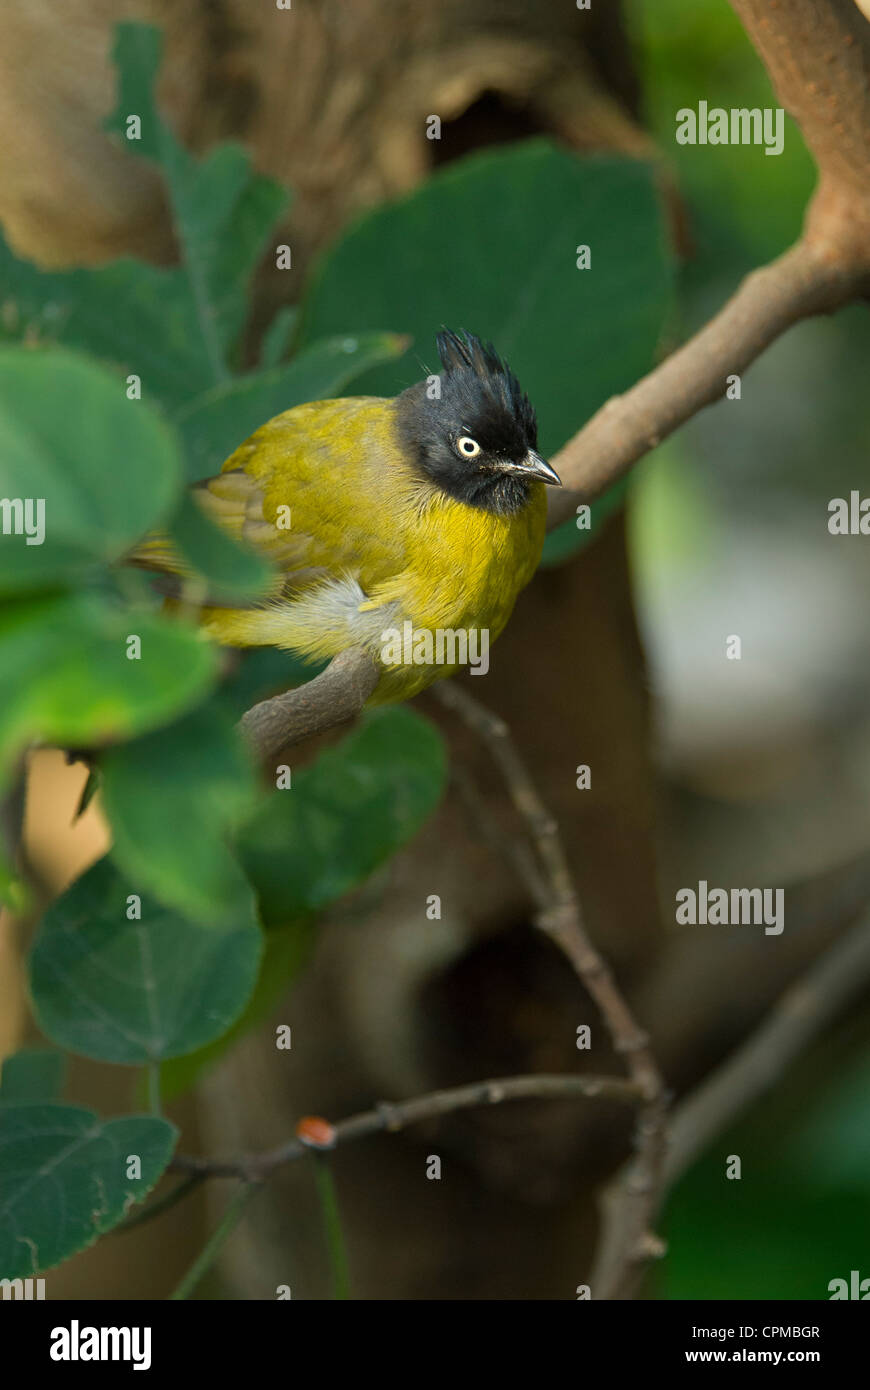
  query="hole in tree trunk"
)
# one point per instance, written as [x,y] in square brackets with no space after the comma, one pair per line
[491,120]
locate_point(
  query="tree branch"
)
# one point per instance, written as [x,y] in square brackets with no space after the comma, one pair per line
[389,1117]
[337,694]
[818,55]
[805,1008]
[800,283]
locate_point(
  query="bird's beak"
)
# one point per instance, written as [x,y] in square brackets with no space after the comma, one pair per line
[533,466]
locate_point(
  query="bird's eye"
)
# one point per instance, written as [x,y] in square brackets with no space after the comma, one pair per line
[468,447]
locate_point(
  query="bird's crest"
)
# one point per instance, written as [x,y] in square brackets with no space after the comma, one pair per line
[474,363]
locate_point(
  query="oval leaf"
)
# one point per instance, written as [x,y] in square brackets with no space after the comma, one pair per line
[34,1073]
[173,799]
[344,815]
[69,673]
[216,423]
[91,469]
[136,991]
[63,1179]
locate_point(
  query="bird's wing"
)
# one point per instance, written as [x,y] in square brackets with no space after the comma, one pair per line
[234,502]
[319,490]
[307,491]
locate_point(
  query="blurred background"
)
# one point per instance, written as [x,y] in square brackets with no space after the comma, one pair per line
[750,772]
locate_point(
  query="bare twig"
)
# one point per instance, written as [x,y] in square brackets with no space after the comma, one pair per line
[824,992]
[827,988]
[559,915]
[390,1117]
[337,694]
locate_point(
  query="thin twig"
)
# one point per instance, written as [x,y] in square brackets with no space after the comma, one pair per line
[559,915]
[558,907]
[390,1117]
[825,990]
[820,995]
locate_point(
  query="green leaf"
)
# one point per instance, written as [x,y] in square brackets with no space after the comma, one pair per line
[67,430]
[285,951]
[136,991]
[215,424]
[65,676]
[173,799]
[139,316]
[34,1074]
[63,1179]
[228,569]
[344,815]
[221,211]
[278,336]
[573,337]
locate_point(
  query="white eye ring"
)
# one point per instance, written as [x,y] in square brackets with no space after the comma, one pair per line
[468,447]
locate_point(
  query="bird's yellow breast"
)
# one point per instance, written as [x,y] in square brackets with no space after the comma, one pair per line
[370,545]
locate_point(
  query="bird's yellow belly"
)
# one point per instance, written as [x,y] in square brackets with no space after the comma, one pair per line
[423,619]
[469,568]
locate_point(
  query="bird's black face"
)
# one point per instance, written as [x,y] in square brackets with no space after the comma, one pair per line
[472,431]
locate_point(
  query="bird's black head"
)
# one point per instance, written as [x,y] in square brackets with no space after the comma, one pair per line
[472,430]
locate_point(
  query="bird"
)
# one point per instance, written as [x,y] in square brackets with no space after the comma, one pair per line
[411,516]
